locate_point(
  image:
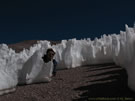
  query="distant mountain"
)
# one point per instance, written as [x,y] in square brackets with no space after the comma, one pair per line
[27,44]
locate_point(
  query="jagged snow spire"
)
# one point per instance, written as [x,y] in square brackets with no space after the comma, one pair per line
[134,25]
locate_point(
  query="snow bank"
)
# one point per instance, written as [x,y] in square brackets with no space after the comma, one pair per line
[28,66]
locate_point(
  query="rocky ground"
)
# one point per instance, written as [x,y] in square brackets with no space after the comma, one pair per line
[86,83]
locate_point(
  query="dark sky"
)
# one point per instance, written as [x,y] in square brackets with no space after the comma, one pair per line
[65,19]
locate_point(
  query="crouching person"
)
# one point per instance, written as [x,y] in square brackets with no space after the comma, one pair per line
[49,67]
[38,68]
[49,57]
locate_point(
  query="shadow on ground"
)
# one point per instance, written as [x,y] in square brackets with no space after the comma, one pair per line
[109,83]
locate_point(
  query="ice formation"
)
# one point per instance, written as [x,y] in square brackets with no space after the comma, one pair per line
[28,67]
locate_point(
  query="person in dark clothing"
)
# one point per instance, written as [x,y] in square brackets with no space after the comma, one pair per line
[49,57]
[54,67]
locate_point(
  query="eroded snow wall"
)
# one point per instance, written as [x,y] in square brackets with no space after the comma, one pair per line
[124,53]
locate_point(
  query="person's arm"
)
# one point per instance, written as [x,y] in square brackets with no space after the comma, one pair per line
[54,67]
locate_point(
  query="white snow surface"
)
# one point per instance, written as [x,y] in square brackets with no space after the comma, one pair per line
[28,66]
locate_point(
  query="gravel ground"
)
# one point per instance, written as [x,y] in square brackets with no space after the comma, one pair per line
[86,83]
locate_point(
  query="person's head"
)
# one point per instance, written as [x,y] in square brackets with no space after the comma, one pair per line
[50,54]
